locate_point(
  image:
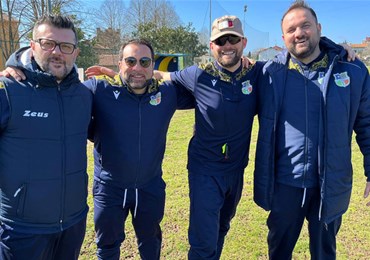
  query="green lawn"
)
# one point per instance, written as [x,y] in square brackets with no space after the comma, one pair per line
[247,237]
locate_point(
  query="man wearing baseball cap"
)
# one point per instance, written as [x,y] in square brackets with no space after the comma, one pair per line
[218,151]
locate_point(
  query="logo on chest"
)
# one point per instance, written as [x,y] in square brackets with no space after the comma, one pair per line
[116,93]
[29,113]
[321,77]
[156,99]
[247,88]
[342,79]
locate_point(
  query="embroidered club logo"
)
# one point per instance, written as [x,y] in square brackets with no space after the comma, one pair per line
[342,79]
[116,93]
[247,88]
[155,100]
[320,79]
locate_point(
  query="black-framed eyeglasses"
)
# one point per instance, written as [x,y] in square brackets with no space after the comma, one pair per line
[144,62]
[232,39]
[50,45]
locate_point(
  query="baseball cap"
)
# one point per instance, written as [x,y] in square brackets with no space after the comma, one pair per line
[228,24]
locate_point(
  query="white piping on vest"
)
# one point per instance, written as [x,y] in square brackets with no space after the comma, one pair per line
[304,197]
[124,199]
[136,201]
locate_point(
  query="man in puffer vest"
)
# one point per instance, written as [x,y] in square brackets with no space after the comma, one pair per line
[44,123]
[310,100]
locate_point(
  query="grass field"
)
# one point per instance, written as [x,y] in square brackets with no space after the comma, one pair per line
[247,237]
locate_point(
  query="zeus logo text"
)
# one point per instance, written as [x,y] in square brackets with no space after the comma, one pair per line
[29,113]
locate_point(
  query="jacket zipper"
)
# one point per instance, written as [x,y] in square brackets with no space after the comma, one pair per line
[62,138]
[306,132]
[139,139]
[322,189]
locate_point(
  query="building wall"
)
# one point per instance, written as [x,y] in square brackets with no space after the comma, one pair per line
[5,39]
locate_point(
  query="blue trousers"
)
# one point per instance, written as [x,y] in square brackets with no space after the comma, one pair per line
[213,202]
[111,208]
[57,246]
[286,219]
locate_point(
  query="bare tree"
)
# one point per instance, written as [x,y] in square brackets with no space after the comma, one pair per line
[111,15]
[9,37]
[160,13]
[28,11]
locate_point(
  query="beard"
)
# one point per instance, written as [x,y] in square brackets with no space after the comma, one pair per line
[301,53]
[137,86]
[226,62]
[59,70]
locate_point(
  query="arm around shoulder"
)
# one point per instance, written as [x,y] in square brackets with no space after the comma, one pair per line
[162,75]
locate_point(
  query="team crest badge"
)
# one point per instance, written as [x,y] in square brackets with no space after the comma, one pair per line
[320,79]
[155,100]
[247,87]
[342,79]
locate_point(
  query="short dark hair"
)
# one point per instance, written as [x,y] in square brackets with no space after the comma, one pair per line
[57,21]
[299,4]
[138,41]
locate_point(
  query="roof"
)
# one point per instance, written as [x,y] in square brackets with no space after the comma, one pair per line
[362,45]
[276,48]
[359,45]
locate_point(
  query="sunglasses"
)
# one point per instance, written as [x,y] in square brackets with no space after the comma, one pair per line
[232,39]
[145,62]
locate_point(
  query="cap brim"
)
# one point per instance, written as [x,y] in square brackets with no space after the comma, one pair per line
[218,35]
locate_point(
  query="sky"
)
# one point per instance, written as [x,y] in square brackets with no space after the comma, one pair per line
[341,21]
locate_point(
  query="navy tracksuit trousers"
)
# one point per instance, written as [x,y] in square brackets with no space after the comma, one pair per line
[111,208]
[57,246]
[213,202]
[290,207]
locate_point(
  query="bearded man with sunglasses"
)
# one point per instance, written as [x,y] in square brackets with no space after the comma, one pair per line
[44,127]
[131,117]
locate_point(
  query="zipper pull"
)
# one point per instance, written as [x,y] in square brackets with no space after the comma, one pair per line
[225,151]
[17,191]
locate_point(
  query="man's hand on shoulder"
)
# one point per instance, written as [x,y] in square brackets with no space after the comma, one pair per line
[162,75]
[99,71]
[246,62]
[17,74]
[351,54]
